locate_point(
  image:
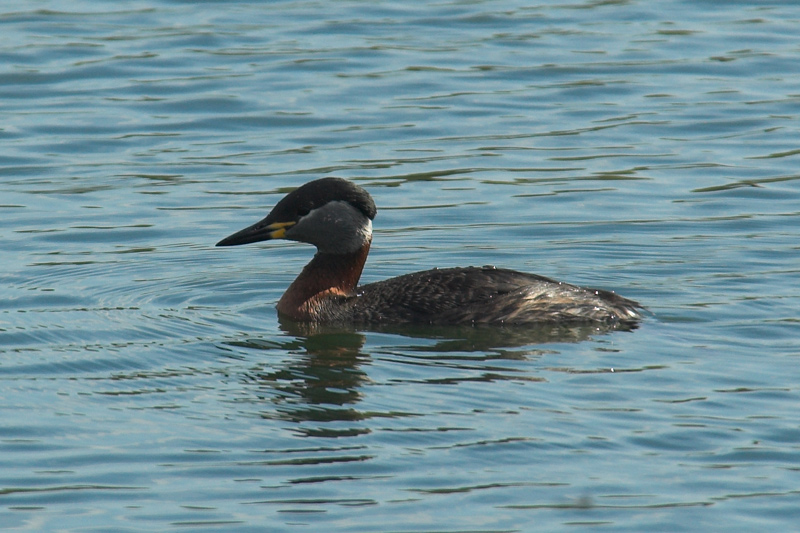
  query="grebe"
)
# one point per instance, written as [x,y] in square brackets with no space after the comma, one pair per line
[336,216]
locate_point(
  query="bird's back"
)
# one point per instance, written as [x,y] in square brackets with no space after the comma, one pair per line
[480,295]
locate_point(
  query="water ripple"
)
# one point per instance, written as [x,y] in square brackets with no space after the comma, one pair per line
[646,148]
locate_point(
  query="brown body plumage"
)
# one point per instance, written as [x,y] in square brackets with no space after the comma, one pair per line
[336,216]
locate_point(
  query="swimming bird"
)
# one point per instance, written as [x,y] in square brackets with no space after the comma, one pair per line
[336,215]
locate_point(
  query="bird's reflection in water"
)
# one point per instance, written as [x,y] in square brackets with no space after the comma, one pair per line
[320,387]
[321,384]
[488,338]
[467,338]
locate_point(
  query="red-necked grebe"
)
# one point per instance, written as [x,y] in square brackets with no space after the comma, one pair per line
[336,216]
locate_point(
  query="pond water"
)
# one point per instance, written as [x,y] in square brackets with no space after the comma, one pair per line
[651,148]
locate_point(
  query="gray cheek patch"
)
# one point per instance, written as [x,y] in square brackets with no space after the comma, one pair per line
[337,227]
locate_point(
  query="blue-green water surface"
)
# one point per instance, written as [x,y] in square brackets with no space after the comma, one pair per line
[651,148]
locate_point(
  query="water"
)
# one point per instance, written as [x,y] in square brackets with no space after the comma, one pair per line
[649,148]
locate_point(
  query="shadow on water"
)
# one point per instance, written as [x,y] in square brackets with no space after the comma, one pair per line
[324,380]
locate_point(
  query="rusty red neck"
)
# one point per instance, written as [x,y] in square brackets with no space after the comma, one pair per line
[326,276]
